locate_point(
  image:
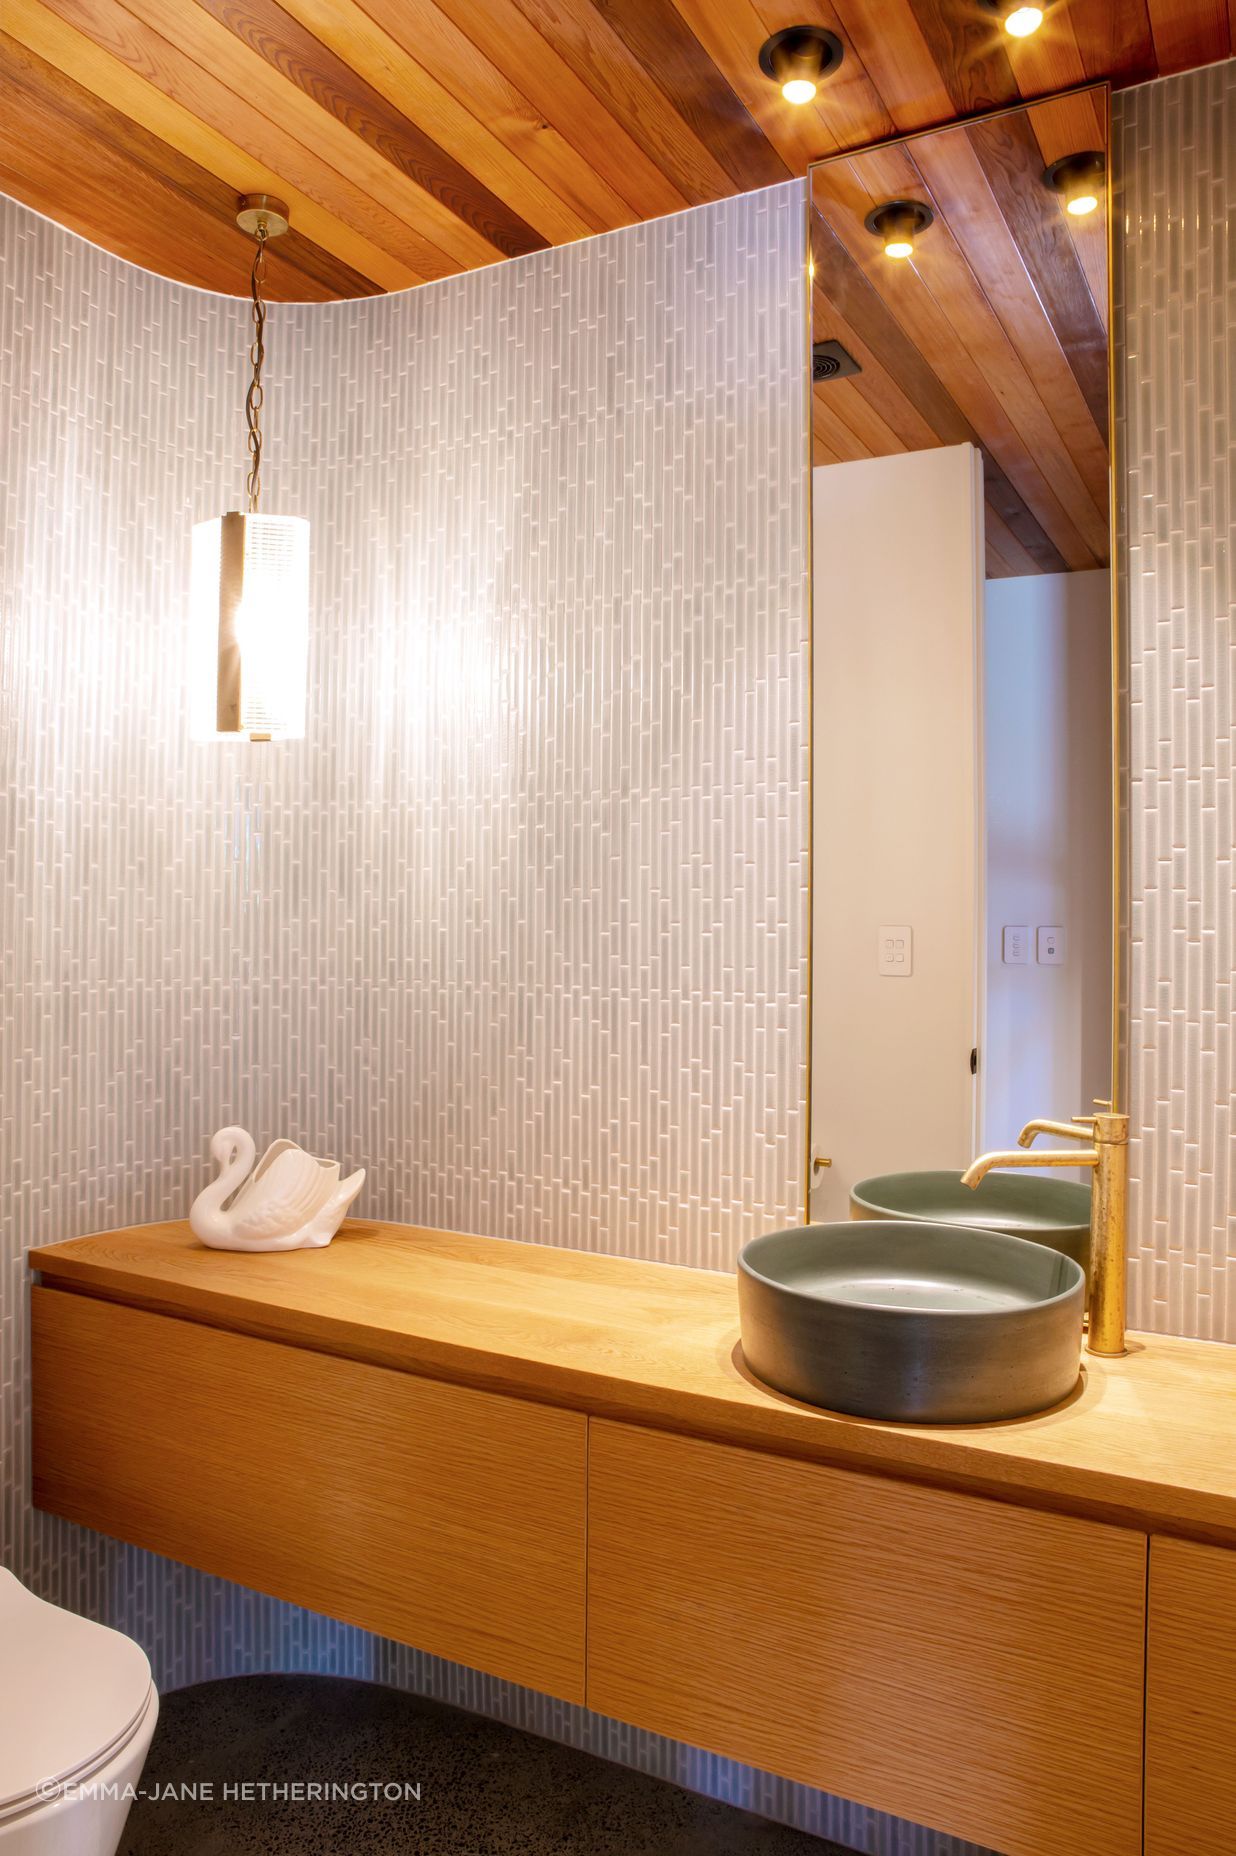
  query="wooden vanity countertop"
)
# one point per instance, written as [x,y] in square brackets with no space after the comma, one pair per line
[1148,1440]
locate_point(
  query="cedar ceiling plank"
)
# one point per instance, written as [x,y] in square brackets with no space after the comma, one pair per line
[658,37]
[1050,59]
[461,68]
[1016,558]
[968,48]
[885,391]
[894,51]
[51,38]
[435,227]
[821,452]
[846,397]
[100,194]
[841,280]
[1180,28]
[383,196]
[354,37]
[297,268]
[502,33]
[1066,126]
[305,61]
[995,567]
[942,309]
[150,55]
[841,438]
[962,187]
[1069,125]
[1114,40]
[1010,158]
[731,33]
[600,57]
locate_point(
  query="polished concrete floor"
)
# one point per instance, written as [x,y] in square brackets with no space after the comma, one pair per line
[485,1789]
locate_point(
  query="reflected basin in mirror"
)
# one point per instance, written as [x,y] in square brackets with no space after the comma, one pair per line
[911,1322]
[1055,1212]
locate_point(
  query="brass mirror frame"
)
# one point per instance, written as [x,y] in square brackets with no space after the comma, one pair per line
[1119,898]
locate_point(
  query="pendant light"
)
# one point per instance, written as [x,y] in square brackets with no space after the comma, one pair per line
[251,571]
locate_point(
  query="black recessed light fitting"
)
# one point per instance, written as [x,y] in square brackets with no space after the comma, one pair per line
[898,223]
[799,58]
[1079,180]
[830,361]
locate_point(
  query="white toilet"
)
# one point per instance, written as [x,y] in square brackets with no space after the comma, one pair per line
[77,1710]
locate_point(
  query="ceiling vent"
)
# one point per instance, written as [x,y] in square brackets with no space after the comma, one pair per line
[830,361]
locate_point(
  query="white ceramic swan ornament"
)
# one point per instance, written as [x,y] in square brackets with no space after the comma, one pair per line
[289,1201]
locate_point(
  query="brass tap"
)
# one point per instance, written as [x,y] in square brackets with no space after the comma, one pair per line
[1108,1158]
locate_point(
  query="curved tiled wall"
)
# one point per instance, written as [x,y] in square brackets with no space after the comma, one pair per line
[521,925]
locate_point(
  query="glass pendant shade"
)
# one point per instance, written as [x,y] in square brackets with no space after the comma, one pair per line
[250,627]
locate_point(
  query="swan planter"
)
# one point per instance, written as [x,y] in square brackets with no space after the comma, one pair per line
[289,1201]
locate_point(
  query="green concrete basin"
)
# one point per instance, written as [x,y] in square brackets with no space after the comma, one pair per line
[1055,1212]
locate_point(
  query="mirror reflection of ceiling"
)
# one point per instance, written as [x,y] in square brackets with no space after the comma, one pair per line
[418,138]
[994,331]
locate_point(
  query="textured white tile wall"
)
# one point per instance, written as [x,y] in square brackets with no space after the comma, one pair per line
[521,926]
[1175,146]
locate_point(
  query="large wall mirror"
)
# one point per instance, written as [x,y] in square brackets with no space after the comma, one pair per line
[963,946]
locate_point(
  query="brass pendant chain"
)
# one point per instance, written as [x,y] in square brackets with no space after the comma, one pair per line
[257,354]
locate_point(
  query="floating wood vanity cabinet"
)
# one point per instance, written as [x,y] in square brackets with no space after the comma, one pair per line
[552,1466]
[1191,1701]
[444,1517]
[914,1649]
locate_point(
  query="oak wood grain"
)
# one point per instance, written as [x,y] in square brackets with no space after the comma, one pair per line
[910,1649]
[1191,1700]
[438,1515]
[1145,1439]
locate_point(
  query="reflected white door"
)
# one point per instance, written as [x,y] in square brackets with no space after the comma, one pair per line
[897,869]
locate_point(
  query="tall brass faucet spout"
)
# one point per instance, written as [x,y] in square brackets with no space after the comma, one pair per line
[1108,1157]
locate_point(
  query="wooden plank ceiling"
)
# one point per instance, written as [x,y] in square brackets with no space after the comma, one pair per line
[995,331]
[417,138]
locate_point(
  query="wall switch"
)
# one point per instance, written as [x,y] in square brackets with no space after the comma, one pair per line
[897,951]
[1050,944]
[1015,944]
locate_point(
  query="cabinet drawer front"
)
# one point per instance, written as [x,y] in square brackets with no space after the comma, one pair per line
[961,1663]
[1191,1700]
[444,1517]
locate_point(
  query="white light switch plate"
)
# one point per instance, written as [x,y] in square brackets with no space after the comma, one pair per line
[896,954]
[1015,944]
[1050,945]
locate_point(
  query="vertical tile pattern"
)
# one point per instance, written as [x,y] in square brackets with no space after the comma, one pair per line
[1175,143]
[521,926]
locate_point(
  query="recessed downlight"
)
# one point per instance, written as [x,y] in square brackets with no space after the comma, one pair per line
[799,58]
[1079,180]
[1020,18]
[897,224]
